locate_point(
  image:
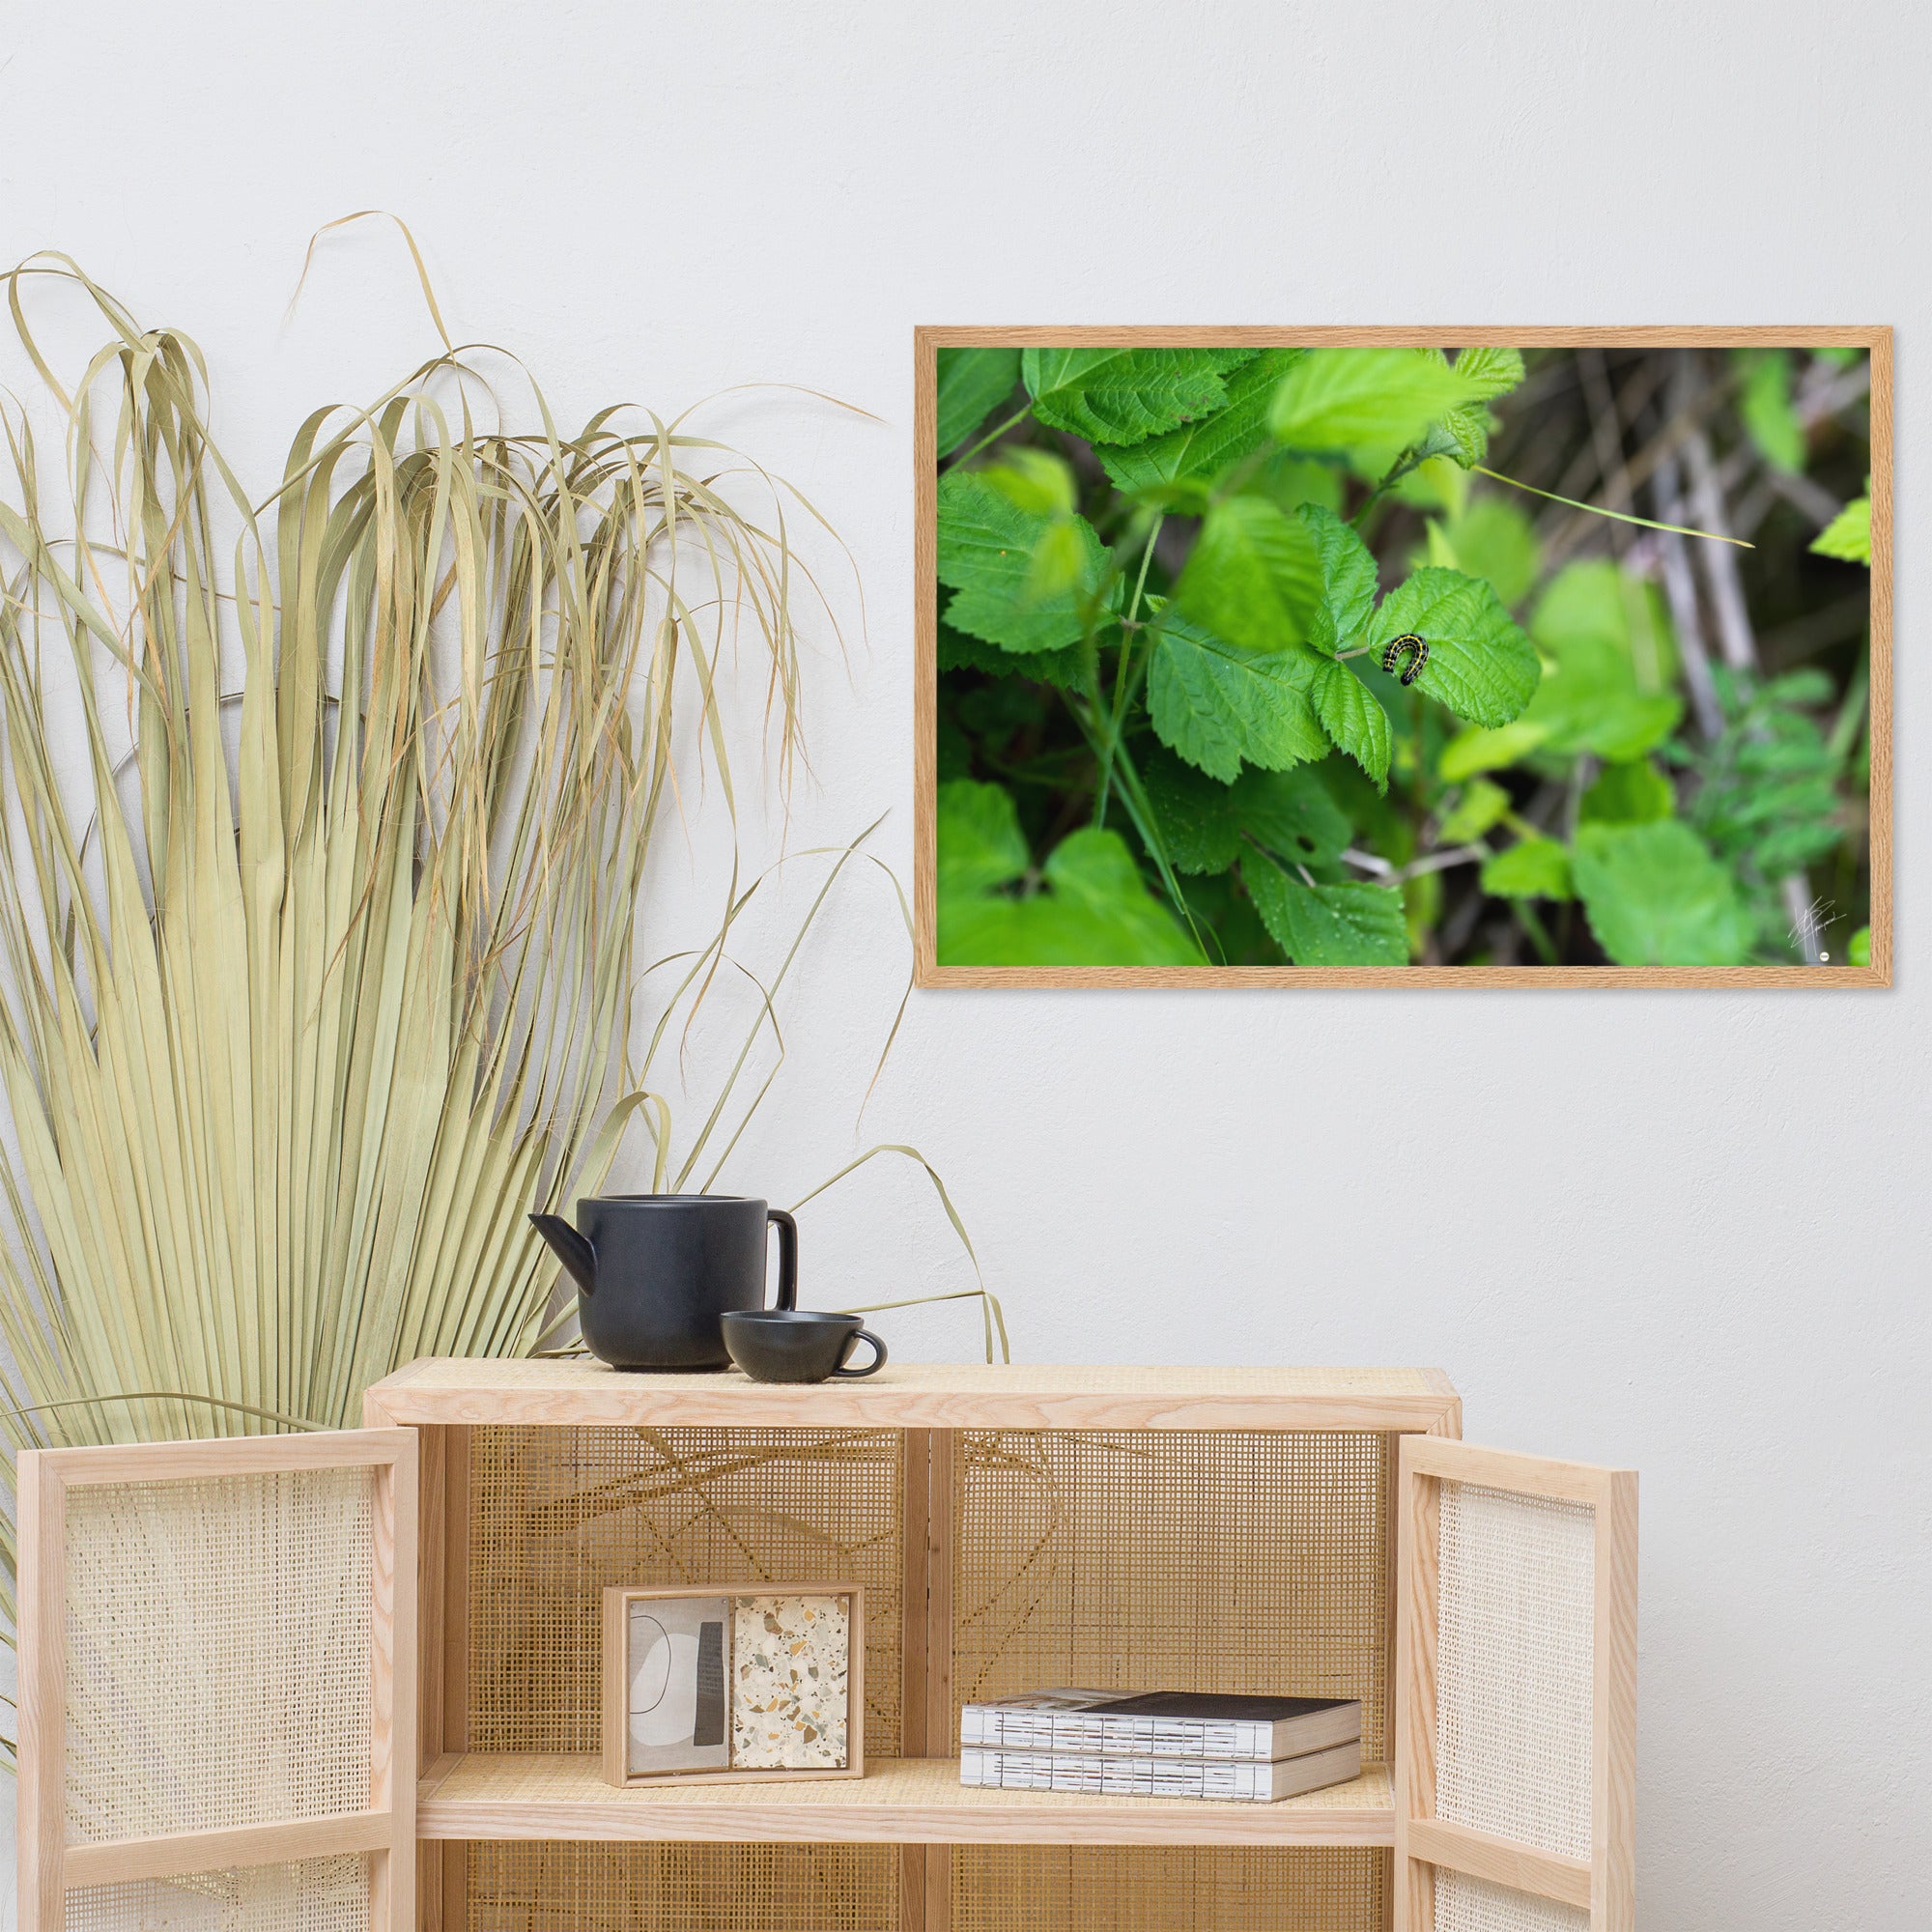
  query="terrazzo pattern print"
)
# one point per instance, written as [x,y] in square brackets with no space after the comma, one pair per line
[790,1659]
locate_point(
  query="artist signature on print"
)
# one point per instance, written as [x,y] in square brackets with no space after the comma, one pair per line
[1808,934]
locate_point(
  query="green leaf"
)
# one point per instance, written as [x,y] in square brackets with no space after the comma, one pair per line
[1491,373]
[958,652]
[1094,869]
[1533,868]
[1096,909]
[1254,575]
[1060,564]
[1353,716]
[1491,539]
[1589,702]
[1480,666]
[1127,395]
[1218,704]
[1439,550]
[979,837]
[1034,480]
[1288,481]
[1469,752]
[1201,820]
[1346,598]
[972,384]
[1344,924]
[1178,465]
[1481,805]
[986,552]
[1765,406]
[1636,794]
[1375,399]
[1609,687]
[1292,813]
[1440,484]
[1848,536]
[1595,602]
[1859,954]
[1198,820]
[1656,896]
[1097,912]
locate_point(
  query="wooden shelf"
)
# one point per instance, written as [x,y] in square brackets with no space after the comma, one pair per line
[898,1802]
[579,1391]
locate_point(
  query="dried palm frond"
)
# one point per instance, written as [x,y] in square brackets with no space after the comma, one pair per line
[318,972]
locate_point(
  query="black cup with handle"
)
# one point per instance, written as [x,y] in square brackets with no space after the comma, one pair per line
[796,1345]
[655,1273]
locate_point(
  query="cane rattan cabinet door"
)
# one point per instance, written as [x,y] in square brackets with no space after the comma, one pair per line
[1516,1693]
[217,1695]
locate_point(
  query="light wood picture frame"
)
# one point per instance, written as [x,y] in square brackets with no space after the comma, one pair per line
[1809,921]
[128,1515]
[616,1674]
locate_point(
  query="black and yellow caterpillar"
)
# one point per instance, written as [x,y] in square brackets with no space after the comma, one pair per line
[1418,655]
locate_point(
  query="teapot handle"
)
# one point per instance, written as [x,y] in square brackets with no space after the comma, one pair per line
[787,1257]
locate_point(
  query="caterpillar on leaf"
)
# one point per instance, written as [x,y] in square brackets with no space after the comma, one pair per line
[1418,650]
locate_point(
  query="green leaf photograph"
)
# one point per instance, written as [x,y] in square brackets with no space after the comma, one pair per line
[1251,659]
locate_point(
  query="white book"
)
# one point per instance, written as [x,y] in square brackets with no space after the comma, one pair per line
[1231,1781]
[1162,1723]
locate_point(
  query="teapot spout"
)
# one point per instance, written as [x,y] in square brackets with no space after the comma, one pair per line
[570,1248]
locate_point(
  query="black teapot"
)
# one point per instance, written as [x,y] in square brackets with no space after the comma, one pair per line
[656,1272]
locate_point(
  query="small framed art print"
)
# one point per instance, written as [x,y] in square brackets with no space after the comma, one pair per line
[702,1682]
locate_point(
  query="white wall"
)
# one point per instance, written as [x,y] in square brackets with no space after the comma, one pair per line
[1681,1231]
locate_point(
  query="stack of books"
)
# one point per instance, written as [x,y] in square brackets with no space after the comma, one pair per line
[1164,1744]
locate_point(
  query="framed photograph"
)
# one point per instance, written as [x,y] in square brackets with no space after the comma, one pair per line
[1403,657]
[752,1685]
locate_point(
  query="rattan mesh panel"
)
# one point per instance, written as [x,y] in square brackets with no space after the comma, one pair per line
[1466,1904]
[537,1887]
[556,1515]
[217,1652]
[1179,1560]
[1515,1649]
[314,1896]
[1137,1888]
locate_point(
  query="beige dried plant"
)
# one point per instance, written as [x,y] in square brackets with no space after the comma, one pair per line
[319,973]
